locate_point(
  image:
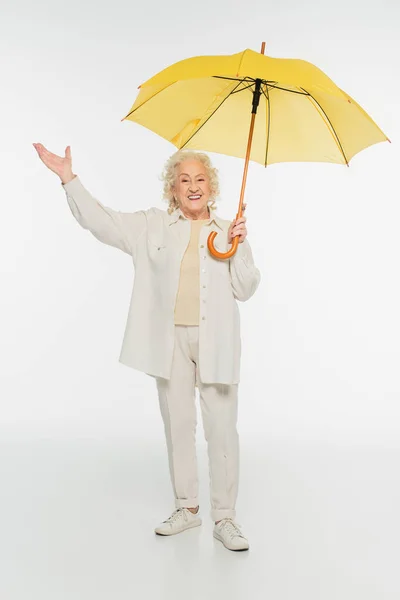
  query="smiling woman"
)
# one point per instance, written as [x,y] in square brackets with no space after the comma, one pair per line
[186,172]
[183,325]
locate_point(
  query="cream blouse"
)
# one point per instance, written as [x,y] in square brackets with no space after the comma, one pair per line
[187,307]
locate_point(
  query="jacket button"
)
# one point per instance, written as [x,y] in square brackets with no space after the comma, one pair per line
[202,246]
[203,318]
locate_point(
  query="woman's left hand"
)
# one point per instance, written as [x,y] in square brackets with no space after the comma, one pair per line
[238,228]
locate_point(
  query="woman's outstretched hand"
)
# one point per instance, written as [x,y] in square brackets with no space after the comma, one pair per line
[60,165]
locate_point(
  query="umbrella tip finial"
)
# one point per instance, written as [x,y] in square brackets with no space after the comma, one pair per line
[263,48]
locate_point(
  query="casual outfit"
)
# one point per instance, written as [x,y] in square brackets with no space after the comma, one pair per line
[183,329]
[157,242]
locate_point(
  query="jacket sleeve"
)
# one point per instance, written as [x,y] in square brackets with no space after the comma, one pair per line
[111,227]
[245,277]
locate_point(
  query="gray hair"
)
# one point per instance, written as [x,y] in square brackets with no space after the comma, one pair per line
[169,175]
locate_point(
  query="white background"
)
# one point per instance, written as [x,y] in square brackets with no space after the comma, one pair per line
[320,391]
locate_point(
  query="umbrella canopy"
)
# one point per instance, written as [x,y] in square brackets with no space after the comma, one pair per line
[211,103]
[204,103]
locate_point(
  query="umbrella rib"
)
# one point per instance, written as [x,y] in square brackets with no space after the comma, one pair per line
[148,99]
[277,87]
[332,129]
[268,83]
[234,78]
[246,78]
[244,88]
[212,114]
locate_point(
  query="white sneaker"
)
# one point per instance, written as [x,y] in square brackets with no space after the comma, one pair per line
[181,519]
[228,532]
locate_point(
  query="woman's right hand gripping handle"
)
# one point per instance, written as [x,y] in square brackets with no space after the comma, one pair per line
[60,165]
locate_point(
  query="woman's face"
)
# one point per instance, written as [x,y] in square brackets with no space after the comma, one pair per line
[192,189]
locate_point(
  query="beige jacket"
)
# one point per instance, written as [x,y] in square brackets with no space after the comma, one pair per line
[157,242]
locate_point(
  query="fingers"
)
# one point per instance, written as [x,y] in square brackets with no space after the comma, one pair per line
[238,221]
[239,231]
[42,151]
[237,228]
[46,154]
[242,218]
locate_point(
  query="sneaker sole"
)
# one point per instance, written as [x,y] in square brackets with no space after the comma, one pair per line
[219,538]
[190,526]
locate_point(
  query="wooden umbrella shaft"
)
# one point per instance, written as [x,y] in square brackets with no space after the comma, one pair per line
[246,166]
[256,99]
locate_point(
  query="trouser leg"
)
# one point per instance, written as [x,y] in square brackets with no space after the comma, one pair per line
[219,408]
[219,413]
[178,409]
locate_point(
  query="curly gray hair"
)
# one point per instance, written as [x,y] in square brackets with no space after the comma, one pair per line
[169,174]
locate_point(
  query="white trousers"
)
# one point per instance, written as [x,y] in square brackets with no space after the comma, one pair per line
[219,408]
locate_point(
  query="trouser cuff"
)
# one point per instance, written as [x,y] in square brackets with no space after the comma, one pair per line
[186,502]
[222,513]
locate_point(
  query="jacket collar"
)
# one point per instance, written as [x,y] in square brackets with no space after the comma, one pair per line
[174,217]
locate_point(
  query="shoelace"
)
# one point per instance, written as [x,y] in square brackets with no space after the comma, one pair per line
[231,528]
[176,515]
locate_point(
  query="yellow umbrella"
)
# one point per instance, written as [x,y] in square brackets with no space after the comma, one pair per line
[210,103]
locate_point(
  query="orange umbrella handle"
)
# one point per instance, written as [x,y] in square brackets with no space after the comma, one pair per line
[223,255]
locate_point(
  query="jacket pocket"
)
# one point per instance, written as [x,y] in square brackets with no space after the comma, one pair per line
[157,250]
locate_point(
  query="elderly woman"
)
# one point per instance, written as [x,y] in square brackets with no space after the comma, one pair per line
[183,325]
